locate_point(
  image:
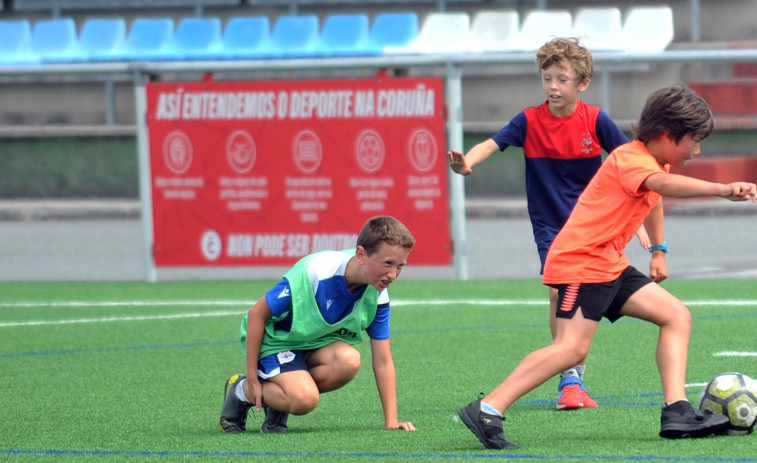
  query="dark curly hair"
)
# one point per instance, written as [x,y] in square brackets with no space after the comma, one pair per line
[677,111]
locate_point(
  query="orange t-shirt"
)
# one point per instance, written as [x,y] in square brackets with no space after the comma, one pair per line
[589,248]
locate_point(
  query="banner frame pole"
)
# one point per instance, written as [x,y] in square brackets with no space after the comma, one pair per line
[145,177]
[454,99]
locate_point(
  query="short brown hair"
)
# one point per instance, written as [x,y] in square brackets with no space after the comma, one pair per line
[675,110]
[564,51]
[384,229]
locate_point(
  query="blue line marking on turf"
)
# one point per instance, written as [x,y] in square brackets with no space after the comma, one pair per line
[426,456]
[467,328]
[99,350]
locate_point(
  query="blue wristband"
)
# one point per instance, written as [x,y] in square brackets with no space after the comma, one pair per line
[659,247]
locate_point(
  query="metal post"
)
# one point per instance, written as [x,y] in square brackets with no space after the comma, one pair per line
[110,101]
[696,31]
[454,101]
[145,179]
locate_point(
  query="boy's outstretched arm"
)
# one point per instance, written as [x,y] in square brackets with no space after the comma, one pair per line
[680,186]
[463,164]
[383,371]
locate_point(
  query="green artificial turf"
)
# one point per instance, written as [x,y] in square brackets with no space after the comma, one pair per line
[135,372]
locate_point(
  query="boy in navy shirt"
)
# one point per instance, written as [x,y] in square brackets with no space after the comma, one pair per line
[562,140]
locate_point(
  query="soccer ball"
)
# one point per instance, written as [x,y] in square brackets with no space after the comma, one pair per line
[733,395]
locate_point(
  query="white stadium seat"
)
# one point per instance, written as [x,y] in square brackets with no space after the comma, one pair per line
[648,29]
[495,30]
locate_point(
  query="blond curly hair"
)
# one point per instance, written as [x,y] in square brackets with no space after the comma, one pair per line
[563,51]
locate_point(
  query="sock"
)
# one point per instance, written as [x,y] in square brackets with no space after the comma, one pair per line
[486,408]
[239,391]
[580,369]
[570,373]
[568,377]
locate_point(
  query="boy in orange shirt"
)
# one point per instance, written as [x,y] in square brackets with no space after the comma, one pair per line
[594,278]
[562,140]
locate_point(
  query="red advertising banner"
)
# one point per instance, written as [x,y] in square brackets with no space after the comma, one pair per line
[263,173]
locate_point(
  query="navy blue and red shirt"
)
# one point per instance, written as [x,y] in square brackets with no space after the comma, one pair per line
[562,155]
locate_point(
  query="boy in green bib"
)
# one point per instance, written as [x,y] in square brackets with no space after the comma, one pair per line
[299,337]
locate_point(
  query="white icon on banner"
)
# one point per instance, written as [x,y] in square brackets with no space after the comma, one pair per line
[422,150]
[177,152]
[369,150]
[211,245]
[241,151]
[307,151]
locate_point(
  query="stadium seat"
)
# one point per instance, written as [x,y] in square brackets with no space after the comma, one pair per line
[495,30]
[197,39]
[55,41]
[295,36]
[648,29]
[53,5]
[15,43]
[103,39]
[541,26]
[149,39]
[247,38]
[345,35]
[444,33]
[599,29]
[393,30]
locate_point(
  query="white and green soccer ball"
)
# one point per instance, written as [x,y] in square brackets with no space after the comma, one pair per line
[733,395]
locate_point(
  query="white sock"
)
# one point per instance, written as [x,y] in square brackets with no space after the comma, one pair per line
[239,391]
[570,372]
[580,369]
[486,408]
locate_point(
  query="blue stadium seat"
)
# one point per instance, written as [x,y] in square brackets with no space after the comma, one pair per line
[197,39]
[393,30]
[295,36]
[15,43]
[346,35]
[247,38]
[149,39]
[55,41]
[102,39]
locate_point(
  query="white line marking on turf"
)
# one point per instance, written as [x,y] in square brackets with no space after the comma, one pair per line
[122,319]
[724,302]
[246,303]
[188,302]
[174,303]
[696,384]
[733,353]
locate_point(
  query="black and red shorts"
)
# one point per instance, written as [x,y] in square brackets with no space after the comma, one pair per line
[597,300]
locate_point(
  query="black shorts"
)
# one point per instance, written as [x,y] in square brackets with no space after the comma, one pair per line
[597,300]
